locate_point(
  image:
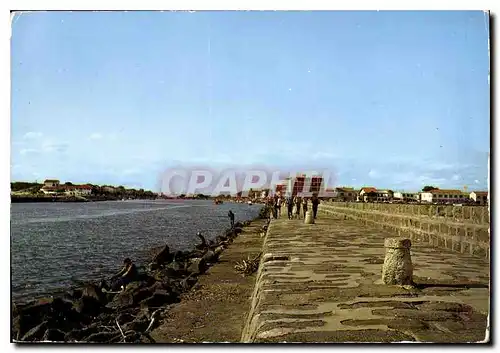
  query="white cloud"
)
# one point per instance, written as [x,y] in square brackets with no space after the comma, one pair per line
[50,146]
[96,136]
[374,174]
[25,151]
[455,177]
[32,135]
[476,181]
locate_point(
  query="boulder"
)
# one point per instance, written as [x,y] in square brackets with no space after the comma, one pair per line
[102,337]
[31,315]
[193,266]
[139,324]
[93,292]
[123,318]
[158,299]
[54,335]
[79,334]
[238,225]
[36,333]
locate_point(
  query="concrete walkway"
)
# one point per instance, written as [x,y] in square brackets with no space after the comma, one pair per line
[322,283]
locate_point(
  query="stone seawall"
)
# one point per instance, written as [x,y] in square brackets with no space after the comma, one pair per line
[464,229]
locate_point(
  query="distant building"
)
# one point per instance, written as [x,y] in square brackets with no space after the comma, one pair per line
[406,196]
[479,197]
[51,183]
[297,184]
[345,194]
[384,195]
[443,196]
[70,190]
[367,194]
[110,189]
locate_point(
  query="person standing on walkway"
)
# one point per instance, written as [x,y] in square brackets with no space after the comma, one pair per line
[304,206]
[315,203]
[275,207]
[289,204]
[298,202]
[231,218]
[278,206]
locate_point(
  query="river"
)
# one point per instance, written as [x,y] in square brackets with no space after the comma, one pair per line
[52,244]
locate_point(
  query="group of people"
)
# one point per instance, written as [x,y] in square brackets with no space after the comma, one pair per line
[294,205]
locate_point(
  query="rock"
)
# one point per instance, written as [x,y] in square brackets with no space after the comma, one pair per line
[123,318]
[36,333]
[139,324]
[194,266]
[210,257]
[238,230]
[54,335]
[121,301]
[93,292]
[187,283]
[397,268]
[31,315]
[102,337]
[238,225]
[79,334]
[158,299]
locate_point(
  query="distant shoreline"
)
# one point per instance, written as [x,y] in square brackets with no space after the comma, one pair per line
[30,199]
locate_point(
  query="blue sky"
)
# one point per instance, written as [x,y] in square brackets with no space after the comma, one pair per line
[389,99]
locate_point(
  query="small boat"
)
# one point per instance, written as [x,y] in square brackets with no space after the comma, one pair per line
[218,202]
[250,203]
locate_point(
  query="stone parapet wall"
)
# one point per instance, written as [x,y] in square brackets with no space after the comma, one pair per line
[460,228]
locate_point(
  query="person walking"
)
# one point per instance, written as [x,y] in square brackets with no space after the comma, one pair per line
[278,206]
[315,203]
[289,204]
[304,206]
[298,202]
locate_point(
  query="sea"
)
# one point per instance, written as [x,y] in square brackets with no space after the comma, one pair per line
[56,245]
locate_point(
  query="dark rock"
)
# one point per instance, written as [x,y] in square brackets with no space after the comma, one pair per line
[31,315]
[123,318]
[139,324]
[187,283]
[79,334]
[102,337]
[238,230]
[210,257]
[54,335]
[158,299]
[121,301]
[93,292]
[238,225]
[75,293]
[36,333]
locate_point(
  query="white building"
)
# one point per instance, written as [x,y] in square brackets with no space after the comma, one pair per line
[443,196]
[480,197]
[51,183]
[406,196]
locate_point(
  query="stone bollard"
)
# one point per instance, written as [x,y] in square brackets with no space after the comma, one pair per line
[398,268]
[309,219]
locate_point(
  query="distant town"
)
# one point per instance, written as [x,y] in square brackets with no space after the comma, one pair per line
[54,190]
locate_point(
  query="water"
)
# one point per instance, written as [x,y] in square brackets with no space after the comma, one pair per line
[52,244]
